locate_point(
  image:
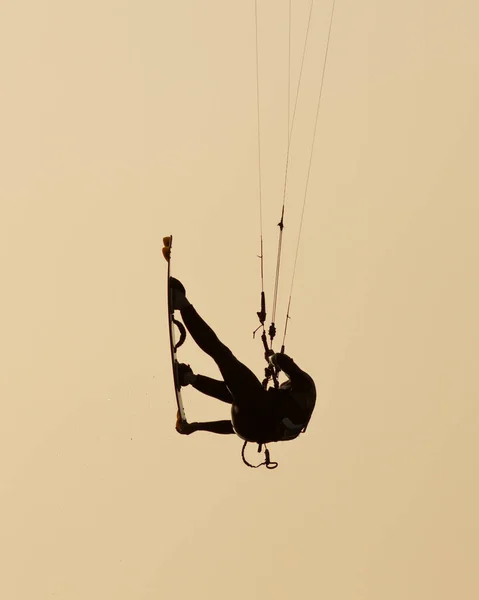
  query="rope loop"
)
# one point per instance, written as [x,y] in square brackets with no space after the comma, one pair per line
[268,463]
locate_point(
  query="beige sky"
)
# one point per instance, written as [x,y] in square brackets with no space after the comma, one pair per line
[122,122]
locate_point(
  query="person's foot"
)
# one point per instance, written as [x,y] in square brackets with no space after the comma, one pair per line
[184,427]
[179,294]
[185,375]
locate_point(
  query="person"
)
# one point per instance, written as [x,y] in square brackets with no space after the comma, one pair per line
[257,415]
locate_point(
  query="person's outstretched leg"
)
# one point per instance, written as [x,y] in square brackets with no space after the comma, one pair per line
[243,384]
[241,381]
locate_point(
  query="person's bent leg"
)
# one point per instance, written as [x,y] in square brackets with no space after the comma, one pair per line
[213,387]
[220,427]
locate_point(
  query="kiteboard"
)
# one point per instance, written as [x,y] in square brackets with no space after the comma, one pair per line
[174,324]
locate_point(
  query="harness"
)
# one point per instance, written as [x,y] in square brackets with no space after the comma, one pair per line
[268,463]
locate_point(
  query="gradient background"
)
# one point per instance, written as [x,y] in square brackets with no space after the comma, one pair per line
[124,121]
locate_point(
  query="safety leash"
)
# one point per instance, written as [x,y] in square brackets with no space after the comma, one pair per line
[268,463]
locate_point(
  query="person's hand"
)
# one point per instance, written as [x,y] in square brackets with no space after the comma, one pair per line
[273,360]
[271,357]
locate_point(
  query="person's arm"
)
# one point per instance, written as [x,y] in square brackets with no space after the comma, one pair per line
[302,389]
[286,364]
